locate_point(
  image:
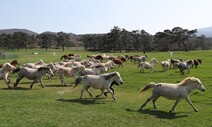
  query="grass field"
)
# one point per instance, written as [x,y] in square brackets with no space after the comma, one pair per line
[57,106]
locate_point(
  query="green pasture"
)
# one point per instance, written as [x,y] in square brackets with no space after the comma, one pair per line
[58,106]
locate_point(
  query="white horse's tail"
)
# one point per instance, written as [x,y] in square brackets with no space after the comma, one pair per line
[148,86]
[140,64]
[78,80]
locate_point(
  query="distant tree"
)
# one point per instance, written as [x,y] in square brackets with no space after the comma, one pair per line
[46,40]
[179,36]
[62,39]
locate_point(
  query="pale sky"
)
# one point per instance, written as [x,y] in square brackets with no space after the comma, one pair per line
[100,16]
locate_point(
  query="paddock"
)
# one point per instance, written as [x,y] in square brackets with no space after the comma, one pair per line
[57,105]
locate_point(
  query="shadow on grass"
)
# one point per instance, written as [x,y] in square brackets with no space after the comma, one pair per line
[17,88]
[56,85]
[87,101]
[158,113]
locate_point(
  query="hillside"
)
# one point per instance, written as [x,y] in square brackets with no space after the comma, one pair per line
[12,31]
[207,31]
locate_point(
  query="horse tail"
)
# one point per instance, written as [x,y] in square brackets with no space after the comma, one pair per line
[78,80]
[16,70]
[148,86]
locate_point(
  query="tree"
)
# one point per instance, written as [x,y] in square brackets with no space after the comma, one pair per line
[62,39]
[179,36]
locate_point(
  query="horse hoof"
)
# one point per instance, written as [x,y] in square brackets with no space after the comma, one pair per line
[196,110]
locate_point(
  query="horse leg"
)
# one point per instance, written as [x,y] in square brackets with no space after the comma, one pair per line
[149,99]
[102,91]
[89,91]
[189,101]
[41,83]
[7,80]
[17,81]
[173,108]
[154,100]
[111,93]
[62,80]
[32,84]
[105,93]
[82,90]
[188,71]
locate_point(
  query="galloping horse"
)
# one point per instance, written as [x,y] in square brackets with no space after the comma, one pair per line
[197,62]
[5,71]
[119,61]
[32,74]
[186,66]
[102,82]
[173,91]
[148,65]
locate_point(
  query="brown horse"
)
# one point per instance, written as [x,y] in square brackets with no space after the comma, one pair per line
[197,62]
[13,63]
[119,61]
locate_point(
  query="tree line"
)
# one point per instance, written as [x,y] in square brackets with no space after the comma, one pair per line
[21,40]
[117,40]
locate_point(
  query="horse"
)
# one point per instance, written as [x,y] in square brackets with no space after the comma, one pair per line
[172,91]
[5,71]
[186,66]
[13,63]
[70,72]
[119,61]
[66,56]
[102,81]
[197,62]
[32,74]
[174,63]
[148,65]
[165,65]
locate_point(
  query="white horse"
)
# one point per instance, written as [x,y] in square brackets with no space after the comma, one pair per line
[5,71]
[102,82]
[186,66]
[70,72]
[172,91]
[165,65]
[32,74]
[148,65]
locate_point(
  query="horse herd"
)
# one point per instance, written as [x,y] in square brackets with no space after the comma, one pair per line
[94,72]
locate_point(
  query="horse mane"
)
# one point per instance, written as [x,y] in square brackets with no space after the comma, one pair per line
[109,75]
[185,82]
[64,56]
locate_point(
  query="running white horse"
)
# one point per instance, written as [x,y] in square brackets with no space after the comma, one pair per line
[172,91]
[102,82]
[5,71]
[32,74]
[165,65]
[148,65]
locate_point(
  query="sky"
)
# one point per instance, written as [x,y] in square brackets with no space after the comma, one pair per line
[100,16]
